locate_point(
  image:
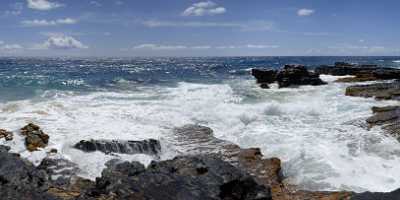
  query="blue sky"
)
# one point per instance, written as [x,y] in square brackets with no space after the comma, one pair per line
[199,28]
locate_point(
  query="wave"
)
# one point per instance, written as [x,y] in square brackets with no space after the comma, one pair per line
[306,127]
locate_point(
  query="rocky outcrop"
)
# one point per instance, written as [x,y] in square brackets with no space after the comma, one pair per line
[377,195]
[35,138]
[61,172]
[361,72]
[199,140]
[388,117]
[289,75]
[7,135]
[19,179]
[381,91]
[150,147]
[293,75]
[190,177]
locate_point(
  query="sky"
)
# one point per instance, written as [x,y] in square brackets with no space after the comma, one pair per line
[109,28]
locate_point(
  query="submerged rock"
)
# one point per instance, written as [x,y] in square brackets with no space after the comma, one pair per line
[297,75]
[19,179]
[190,177]
[7,135]
[381,91]
[35,138]
[149,147]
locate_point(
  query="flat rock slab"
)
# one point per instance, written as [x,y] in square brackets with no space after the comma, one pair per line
[388,117]
[381,91]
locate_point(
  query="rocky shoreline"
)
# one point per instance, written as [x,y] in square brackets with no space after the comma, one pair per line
[209,168]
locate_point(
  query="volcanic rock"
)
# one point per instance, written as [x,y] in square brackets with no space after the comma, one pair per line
[293,75]
[35,138]
[381,91]
[149,147]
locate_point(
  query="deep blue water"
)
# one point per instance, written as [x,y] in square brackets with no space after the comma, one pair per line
[22,78]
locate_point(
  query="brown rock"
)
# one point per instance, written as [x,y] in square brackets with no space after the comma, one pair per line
[35,137]
[381,91]
[388,117]
[7,135]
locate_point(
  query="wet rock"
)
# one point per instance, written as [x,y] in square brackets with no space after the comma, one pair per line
[377,195]
[361,72]
[381,91]
[294,75]
[388,117]
[61,171]
[7,135]
[188,177]
[19,179]
[149,147]
[35,138]
[264,77]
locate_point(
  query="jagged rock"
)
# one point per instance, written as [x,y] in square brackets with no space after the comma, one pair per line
[7,135]
[61,171]
[35,138]
[19,179]
[189,177]
[361,72]
[264,77]
[293,75]
[381,91]
[377,195]
[149,147]
[388,117]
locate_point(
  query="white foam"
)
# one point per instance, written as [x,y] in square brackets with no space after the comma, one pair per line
[306,127]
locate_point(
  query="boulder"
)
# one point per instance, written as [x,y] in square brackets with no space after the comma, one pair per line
[19,179]
[264,76]
[7,135]
[35,138]
[61,171]
[150,147]
[294,75]
[187,177]
[381,91]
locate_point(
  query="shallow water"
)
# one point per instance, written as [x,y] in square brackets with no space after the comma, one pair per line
[317,131]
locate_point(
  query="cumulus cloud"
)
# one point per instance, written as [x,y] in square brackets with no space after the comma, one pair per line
[305,12]
[204,8]
[61,42]
[43,5]
[43,22]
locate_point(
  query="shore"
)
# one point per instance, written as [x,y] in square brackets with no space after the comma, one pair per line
[210,168]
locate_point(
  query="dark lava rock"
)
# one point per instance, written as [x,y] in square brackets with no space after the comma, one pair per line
[191,177]
[361,72]
[294,75]
[264,77]
[381,91]
[149,147]
[388,117]
[35,138]
[19,179]
[61,171]
[395,195]
[7,135]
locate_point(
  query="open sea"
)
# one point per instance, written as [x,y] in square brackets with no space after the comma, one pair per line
[317,131]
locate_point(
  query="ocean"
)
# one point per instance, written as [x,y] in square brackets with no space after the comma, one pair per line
[317,131]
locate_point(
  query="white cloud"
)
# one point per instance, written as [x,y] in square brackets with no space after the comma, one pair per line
[10,48]
[305,12]
[204,8]
[43,4]
[43,22]
[16,9]
[204,47]
[244,26]
[119,3]
[159,47]
[95,3]
[61,42]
